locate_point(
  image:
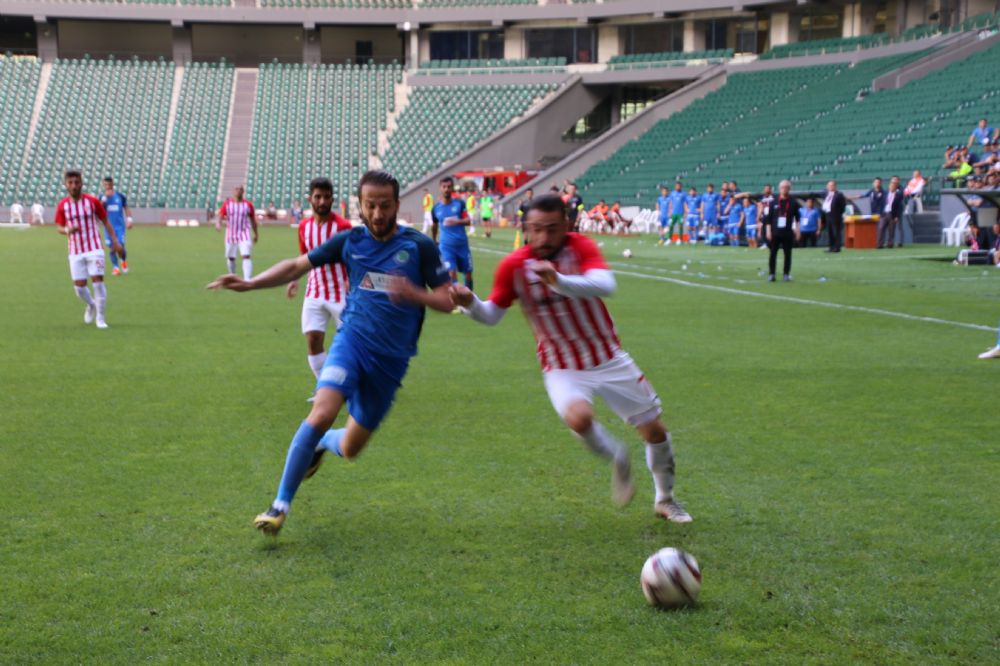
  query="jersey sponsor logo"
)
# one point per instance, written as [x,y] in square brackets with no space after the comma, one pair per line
[402,257]
[334,374]
[375,282]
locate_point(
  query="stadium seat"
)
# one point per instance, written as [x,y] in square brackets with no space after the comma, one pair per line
[18,85]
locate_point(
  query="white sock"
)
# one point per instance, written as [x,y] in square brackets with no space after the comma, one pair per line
[660,461]
[100,298]
[316,362]
[603,444]
[281,505]
[83,293]
[247,269]
[231,264]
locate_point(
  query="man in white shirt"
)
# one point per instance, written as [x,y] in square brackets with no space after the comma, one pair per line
[16,213]
[37,213]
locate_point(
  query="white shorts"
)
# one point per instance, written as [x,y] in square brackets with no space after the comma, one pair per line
[619,381]
[316,313]
[428,218]
[15,218]
[37,219]
[88,264]
[244,248]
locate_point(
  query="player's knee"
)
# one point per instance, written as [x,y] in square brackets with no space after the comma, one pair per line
[654,431]
[579,417]
[314,341]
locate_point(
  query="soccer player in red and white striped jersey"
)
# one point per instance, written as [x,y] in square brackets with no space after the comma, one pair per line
[241,230]
[560,279]
[80,216]
[326,286]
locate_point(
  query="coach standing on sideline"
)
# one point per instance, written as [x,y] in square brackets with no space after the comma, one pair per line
[782,228]
[834,206]
[890,214]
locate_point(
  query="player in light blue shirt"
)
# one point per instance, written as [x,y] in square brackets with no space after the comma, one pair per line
[119,215]
[452,218]
[710,208]
[750,221]
[663,210]
[692,214]
[808,224]
[395,273]
[735,221]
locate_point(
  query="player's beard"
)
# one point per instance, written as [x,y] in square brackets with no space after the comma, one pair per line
[381,233]
[324,212]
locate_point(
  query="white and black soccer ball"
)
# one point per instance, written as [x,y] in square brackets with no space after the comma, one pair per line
[670,578]
[627,253]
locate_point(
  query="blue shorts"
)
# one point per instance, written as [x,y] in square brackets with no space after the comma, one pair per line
[751,231]
[664,222]
[711,220]
[692,221]
[458,259]
[119,231]
[367,380]
[733,229]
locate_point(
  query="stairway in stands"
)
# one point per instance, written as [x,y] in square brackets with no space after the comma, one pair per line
[237,151]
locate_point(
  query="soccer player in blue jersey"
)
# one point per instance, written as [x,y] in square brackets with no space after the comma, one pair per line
[710,209]
[663,210]
[809,224]
[452,217]
[692,214]
[118,215]
[750,221]
[677,198]
[735,220]
[395,274]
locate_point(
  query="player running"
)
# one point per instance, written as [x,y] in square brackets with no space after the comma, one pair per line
[77,217]
[450,214]
[119,214]
[326,287]
[240,219]
[561,278]
[427,204]
[390,269]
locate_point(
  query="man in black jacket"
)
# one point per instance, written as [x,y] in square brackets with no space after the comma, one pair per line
[782,229]
[833,217]
[889,214]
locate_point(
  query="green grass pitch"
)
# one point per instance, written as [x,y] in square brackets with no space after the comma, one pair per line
[841,465]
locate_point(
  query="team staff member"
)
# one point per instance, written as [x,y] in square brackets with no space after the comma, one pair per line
[782,230]
[574,205]
[832,219]
[522,212]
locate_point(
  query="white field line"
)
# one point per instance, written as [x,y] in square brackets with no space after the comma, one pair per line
[787,299]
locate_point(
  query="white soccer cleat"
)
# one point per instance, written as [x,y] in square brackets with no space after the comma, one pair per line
[672,511]
[89,314]
[101,323]
[991,353]
[622,488]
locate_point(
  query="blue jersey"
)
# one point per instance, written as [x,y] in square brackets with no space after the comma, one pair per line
[734,213]
[115,205]
[381,326]
[751,214]
[677,202]
[710,205]
[664,205]
[691,204]
[809,219]
[454,235]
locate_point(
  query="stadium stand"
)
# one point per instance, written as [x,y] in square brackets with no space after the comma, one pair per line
[669,59]
[823,46]
[338,4]
[313,119]
[441,122]
[482,3]
[18,85]
[476,66]
[180,3]
[105,117]
[758,128]
[194,160]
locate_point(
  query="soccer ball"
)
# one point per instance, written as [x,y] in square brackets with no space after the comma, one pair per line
[670,578]
[627,253]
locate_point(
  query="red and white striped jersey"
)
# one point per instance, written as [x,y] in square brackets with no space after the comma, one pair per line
[238,215]
[572,333]
[86,214]
[329,281]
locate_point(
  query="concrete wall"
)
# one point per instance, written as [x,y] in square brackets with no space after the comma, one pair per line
[609,43]
[121,39]
[338,43]
[953,48]
[513,43]
[247,45]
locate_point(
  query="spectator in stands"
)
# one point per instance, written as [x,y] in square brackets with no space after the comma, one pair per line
[889,214]
[808,224]
[914,191]
[952,157]
[832,218]
[995,245]
[271,212]
[983,134]
[782,230]
[964,170]
[296,212]
[16,213]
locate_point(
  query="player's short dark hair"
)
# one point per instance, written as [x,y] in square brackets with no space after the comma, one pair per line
[379,177]
[447,179]
[109,179]
[547,203]
[71,173]
[320,183]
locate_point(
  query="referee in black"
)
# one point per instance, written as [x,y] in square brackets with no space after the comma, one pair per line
[782,228]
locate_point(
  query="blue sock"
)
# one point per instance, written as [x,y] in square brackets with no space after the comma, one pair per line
[300,454]
[331,441]
[114,259]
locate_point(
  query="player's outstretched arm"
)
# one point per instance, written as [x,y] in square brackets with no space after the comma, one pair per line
[485,312]
[281,273]
[401,290]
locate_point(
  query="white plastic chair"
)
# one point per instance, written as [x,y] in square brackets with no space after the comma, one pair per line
[952,234]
